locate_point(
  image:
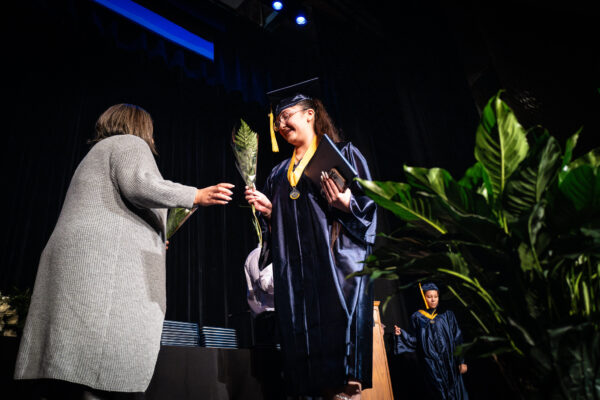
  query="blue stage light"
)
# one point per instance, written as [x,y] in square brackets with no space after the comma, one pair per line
[165,28]
[300,19]
[277,5]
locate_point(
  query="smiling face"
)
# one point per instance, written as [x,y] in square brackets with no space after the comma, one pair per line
[432,298]
[296,125]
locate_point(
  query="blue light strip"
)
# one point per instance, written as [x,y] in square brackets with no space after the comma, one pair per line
[161,25]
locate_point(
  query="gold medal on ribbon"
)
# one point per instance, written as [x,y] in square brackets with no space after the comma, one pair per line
[294,193]
[294,174]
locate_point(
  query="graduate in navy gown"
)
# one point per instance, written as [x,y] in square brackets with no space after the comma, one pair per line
[436,335]
[317,237]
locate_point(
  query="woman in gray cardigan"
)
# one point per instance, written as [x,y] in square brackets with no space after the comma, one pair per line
[98,303]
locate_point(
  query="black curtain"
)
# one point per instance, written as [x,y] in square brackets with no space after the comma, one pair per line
[407,92]
[398,94]
[68,62]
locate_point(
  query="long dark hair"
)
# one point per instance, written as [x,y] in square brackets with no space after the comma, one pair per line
[323,122]
[125,119]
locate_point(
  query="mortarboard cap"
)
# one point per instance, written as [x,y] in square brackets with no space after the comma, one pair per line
[430,286]
[289,96]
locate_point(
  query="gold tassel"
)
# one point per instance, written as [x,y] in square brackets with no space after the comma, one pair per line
[423,294]
[274,146]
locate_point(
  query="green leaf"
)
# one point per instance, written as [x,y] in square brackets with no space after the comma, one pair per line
[397,198]
[477,179]
[176,218]
[569,146]
[245,149]
[581,186]
[528,260]
[500,143]
[526,336]
[575,351]
[592,159]
[484,346]
[440,182]
[529,182]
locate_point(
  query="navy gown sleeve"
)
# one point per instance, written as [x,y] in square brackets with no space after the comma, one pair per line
[361,221]
[457,333]
[405,342]
[265,257]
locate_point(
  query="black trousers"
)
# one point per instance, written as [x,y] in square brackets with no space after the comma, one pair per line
[54,389]
[266,330]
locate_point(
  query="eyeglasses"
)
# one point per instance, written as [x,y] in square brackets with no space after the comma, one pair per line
[284,117]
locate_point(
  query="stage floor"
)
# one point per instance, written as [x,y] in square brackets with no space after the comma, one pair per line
[182,373]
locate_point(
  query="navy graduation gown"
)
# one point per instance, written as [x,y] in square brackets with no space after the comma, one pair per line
[326,320]
[434,342]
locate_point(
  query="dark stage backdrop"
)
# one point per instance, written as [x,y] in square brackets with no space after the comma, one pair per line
[408,92]
[71,60]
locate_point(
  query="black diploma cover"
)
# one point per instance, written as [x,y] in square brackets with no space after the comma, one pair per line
[328,157]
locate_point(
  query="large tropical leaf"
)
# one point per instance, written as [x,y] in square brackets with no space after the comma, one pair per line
[477,179]
[399,199]
[591,158]
[500,143]
[576,359]
[484,346]
[569,146]
[582,187]
[527,184]
[440,182]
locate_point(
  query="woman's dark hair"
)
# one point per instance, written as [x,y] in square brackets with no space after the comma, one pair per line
[323,122]
[125,119]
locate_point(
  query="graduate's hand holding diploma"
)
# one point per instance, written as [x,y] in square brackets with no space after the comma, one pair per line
[260,201]
[335,198]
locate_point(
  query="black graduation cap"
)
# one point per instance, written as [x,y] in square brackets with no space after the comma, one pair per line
[289,96]
[430,286]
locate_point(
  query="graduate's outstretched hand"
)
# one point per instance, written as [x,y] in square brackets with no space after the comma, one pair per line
[217,194]
[462,368]
[397,330]
[335,198]
[260,201]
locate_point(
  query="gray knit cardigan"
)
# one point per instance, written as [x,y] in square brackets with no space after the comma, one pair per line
[99,299]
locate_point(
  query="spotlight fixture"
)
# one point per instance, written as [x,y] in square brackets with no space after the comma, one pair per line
[277,5]
[301,19]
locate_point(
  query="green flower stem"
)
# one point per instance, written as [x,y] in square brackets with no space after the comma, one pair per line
[256,224]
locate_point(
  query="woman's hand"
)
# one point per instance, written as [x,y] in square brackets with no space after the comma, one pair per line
[462,368]
[335,198]
[211,195]
[397,330]
[259,201]
[167,245]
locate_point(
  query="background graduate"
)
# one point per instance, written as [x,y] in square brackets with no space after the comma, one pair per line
[436,337]
[318,236]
